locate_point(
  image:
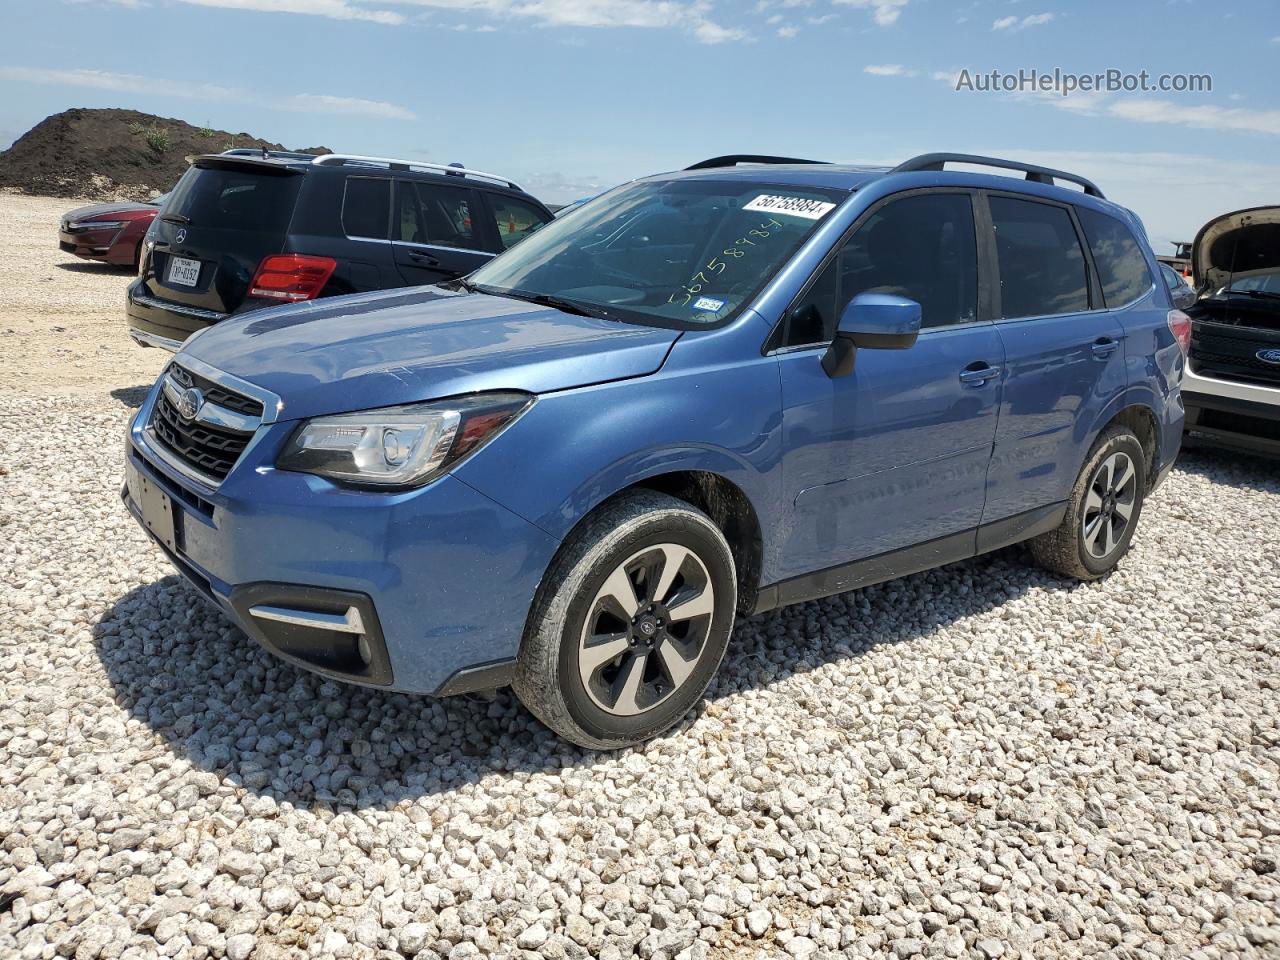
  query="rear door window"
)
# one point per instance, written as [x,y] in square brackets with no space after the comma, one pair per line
[434,215]
[227,198]
[514,219]
[1121,266]
[1042,266]
[366,204]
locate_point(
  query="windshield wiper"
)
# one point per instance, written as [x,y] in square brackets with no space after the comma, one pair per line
[550,300]
[1266,294]
[176,218]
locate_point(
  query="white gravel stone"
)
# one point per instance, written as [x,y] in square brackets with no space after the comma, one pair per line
[977,759]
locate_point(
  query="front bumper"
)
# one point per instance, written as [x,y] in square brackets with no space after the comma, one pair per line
[103,246]
[442,578]
[1227,413]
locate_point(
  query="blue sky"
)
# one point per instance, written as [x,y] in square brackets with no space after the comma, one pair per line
[569,96]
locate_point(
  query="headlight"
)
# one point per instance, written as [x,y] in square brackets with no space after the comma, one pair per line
[400,446]
[82,225]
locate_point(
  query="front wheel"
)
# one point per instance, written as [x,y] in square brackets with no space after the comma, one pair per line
[631,623]
[1103,512]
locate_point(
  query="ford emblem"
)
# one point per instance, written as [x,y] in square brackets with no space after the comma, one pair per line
[1271,355]
[189,403]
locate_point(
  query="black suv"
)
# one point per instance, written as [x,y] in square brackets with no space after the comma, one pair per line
[245,230]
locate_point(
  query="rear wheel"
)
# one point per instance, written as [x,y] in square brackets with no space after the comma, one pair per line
[1103,512]
[630,624]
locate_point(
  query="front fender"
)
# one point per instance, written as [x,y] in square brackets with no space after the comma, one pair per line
[576,448]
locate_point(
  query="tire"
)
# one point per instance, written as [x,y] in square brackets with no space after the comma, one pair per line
[669,651]
[1095,534]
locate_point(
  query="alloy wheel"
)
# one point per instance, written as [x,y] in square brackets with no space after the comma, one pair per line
[1108,506]
[646,629]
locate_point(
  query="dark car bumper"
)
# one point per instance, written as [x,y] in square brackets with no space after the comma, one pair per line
[1233,422]
[158,323]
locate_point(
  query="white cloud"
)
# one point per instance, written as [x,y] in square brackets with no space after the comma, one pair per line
[1022,23]
[885,12]
[787,33]
[151,86]
[1201,117]
[885,69]
[324,103]
[334,9]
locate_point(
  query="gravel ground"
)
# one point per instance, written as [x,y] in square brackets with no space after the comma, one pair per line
[982,761]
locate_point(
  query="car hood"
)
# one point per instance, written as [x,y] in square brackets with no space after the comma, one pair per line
[99,211]
[391,347]
[1234,246]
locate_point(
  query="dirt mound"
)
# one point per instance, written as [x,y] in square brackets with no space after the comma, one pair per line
[112,154]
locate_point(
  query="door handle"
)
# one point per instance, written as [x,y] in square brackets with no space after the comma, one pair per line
[977,374]
[421,256]
[1104,347]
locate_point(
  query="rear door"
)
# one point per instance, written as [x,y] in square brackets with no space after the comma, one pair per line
[224,216]
[434,232]
[1065,357]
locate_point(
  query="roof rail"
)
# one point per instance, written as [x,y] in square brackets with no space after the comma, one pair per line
[937,161]
[266,153]
[341,159]
[734,159]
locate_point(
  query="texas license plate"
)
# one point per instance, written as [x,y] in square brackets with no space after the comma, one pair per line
[154,505]
[184,271]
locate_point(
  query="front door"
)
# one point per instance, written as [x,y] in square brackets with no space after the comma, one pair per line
[434,232]
[894,455]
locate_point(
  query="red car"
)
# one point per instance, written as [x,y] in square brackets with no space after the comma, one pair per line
[108,232]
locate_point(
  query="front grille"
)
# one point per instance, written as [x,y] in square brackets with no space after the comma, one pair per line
[1231,353]
[216,394]
[208,449]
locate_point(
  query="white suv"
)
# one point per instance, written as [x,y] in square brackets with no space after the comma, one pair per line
[1232,384]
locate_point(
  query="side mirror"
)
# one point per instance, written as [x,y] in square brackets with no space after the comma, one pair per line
[873,321]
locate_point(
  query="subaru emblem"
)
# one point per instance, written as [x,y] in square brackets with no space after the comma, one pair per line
[189,403]
[180,236]
[1271,355]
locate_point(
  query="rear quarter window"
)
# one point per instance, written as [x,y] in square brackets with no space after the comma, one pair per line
[366,207]
[1122,268]
[231,199]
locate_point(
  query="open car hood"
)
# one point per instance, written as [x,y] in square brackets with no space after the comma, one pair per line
[1235,246]
[391,347]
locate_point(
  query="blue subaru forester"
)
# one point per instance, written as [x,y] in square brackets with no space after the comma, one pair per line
[702,394]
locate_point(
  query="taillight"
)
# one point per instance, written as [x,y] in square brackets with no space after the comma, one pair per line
[1180,327]
[291,277]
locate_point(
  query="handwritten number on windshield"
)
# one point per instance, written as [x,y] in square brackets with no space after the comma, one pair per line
[716,265]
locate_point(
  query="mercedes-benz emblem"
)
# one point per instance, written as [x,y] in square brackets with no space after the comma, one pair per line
[180,236]
[189,403]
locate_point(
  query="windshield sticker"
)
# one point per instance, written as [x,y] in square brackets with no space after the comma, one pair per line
[790,206]
[710,304]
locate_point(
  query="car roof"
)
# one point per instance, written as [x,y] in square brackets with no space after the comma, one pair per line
[305,163]
[924,170]
[830,175]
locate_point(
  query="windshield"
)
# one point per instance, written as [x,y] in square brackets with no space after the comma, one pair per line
[677,253]
[1257,283]
[231,198]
